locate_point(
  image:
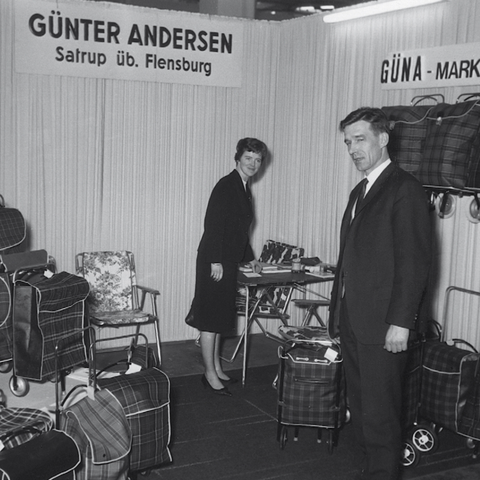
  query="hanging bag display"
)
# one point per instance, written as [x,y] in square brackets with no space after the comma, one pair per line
[452,144]
[439,144]
[407,135]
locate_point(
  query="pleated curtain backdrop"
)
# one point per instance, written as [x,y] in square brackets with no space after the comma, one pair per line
[99,164]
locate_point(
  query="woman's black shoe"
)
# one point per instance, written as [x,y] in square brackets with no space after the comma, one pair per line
[230,381]
[222,391]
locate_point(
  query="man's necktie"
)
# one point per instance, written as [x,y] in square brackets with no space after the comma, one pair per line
[361,195]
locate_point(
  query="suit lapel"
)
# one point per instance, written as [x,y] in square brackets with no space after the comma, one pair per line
[376,187]
[347,217]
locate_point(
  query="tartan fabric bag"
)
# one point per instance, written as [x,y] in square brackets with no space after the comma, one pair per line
[452,145]
[45,310]
[19,425]
[5,319]
[448,376]
[102,433]
[469,423]
[311,388]
[145,398]
[9,264]
[5,298]
[407,138]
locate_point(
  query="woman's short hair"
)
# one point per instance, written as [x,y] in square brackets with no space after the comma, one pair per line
[374,116]
[250,145]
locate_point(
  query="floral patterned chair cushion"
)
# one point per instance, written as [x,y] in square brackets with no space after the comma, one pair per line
[111,276]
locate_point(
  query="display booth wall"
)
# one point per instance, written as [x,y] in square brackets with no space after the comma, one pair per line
[104,164]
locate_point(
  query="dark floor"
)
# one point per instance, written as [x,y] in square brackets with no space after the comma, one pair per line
[184,358]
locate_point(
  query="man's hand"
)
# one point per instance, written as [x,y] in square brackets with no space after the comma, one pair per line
[396,339]
[256,267]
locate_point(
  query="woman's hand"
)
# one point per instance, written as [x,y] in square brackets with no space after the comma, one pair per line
[256,266]
[217,271]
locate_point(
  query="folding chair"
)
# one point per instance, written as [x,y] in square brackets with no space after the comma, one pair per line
[113,300]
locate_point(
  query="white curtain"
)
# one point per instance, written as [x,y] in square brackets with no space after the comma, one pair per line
[105,164]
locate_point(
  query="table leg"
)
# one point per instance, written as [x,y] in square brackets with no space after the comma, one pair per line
[245,339]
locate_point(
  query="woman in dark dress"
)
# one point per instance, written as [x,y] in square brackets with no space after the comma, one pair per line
[224,245]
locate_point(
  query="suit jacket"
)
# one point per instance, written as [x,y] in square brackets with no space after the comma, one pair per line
[385,256]
[227,223]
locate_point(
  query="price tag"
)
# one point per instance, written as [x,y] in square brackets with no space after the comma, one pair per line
[331,354]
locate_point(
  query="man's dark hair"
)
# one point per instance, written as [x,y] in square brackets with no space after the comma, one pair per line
[374,116]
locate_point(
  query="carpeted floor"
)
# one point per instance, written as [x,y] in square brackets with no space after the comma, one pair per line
[218,438]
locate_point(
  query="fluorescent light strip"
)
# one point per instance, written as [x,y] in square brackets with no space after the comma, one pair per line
[376,8]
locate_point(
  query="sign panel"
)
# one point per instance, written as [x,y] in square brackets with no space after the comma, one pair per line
[104,40]
[454,65]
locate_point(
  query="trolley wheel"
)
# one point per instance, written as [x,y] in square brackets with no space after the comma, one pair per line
[136,475]
[425,438]
[410,455]
[283,436]
[19,386]
[472,444]
[5,367]
[348,415]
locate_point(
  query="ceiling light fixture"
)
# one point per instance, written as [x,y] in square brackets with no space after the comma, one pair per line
[374,8]
[305,9]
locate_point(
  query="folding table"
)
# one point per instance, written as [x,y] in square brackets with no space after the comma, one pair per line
[268,282]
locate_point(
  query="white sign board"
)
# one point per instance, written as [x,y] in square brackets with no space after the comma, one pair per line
[454,65]
[105,40]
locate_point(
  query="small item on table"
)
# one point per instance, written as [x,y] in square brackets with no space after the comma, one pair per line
[297,266]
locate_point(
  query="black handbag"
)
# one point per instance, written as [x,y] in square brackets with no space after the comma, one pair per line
[189,317]
[49,455]
[12,227]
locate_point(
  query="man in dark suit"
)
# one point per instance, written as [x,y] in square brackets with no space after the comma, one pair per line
[382,270]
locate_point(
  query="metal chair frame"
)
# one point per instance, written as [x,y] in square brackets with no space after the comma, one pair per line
[136,305]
